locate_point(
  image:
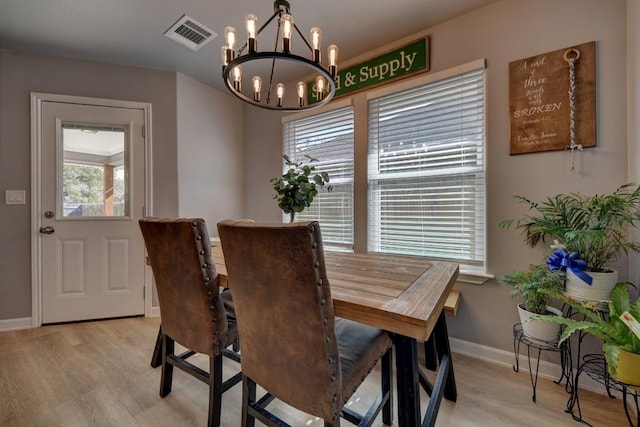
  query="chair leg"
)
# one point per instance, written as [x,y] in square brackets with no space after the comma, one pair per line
[156,359]
[215,390]
[248,396]
[168,346]
[387,387]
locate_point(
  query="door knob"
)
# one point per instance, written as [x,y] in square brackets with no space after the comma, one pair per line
[47,230]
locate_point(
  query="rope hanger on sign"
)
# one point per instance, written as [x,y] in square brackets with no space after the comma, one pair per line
[572,56]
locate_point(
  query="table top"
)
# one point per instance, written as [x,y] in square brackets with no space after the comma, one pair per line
[401,294]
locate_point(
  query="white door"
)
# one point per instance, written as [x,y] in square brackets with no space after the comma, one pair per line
[91,197]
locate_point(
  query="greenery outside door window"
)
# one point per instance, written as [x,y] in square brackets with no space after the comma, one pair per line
[94,171]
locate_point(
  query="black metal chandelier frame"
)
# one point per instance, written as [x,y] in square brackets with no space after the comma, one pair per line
[236,58]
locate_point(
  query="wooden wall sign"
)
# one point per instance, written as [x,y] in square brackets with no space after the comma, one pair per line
[539,100]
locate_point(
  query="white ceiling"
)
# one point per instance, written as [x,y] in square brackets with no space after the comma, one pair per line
[130,32]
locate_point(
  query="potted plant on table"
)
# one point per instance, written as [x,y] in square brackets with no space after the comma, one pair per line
[298,186]
[619,330]
[535,286]
[593,230]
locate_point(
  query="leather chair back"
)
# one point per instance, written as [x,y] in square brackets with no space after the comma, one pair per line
[187,283]
[285,312]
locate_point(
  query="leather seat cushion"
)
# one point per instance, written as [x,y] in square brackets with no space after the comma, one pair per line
[358,345]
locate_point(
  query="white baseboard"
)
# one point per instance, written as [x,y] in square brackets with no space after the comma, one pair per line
[26,322]
[506,358]
[15,324]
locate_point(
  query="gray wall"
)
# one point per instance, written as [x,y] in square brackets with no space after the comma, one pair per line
[21,74]
[502,32]
[210,153]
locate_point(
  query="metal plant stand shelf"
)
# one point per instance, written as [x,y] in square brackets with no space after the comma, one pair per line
[595,366]
[565,357]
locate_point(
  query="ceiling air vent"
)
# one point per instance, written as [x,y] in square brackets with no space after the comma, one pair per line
[190,33]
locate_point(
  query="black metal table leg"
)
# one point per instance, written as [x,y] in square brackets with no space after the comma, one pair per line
[407,380]
[443,350]
[430,360]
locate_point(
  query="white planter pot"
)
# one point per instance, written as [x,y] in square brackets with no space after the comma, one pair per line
[600,289]
[539,329]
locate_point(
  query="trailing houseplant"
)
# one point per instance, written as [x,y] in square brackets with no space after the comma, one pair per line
[593,229]
[621,345]
[535,286]
[298,186]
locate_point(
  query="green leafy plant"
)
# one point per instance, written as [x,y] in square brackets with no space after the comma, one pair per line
[614,333]
[596,227]
[533,285]
[298,186]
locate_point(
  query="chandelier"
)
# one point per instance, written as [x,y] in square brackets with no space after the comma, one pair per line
[269,70]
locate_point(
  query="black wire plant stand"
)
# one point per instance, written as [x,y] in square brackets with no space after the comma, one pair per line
[519,338]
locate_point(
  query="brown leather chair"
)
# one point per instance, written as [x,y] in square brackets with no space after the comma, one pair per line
[292,344]
[192,310]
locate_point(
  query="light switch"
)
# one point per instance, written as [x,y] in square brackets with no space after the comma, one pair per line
[15,197]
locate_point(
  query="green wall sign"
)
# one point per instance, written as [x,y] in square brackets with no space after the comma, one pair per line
[401,62]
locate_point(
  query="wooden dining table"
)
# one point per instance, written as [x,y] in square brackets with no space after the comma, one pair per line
[404,295]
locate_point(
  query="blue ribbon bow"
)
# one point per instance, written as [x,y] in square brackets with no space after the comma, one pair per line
[561,259]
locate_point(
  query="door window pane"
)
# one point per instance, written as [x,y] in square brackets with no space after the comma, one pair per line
[94,170]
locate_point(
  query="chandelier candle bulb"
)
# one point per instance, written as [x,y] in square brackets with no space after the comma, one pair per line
[319,87]
[257,86]
[286,22]
[301,88]
[251,24]
[332,54]
[237,76]
[279,94]
[315,34]
[226,57]
[230,37]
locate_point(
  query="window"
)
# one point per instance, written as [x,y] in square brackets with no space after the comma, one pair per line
[327,137]
[426,169]
[93,171]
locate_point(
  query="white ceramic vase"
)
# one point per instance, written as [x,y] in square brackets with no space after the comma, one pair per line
[539,329]
[599,290]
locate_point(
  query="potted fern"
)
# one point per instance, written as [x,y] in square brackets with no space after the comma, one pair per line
[298,186]
[535,286]
[619,330]
[594,231]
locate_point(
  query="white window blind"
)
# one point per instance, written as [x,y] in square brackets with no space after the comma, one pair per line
[327,137]
[427,170]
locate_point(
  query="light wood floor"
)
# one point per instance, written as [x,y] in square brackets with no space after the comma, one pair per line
[98,374]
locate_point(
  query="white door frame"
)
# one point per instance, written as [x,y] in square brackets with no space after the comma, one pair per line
[36,164]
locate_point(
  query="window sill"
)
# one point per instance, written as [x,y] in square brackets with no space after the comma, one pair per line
[473,277]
